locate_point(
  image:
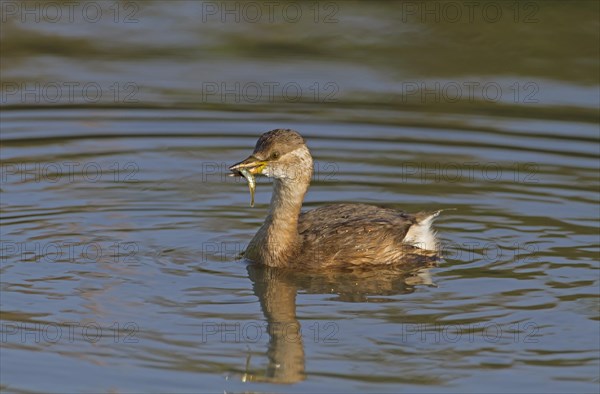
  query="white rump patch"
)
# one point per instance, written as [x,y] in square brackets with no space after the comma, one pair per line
[422,235]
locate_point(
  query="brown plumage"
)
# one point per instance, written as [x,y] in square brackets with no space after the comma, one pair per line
[332,235]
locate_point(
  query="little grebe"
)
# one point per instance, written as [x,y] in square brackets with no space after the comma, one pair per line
[329,236]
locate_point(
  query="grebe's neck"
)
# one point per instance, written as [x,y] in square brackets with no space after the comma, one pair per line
[286,203]
[277,241]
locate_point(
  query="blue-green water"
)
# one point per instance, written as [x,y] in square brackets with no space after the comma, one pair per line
[121,233]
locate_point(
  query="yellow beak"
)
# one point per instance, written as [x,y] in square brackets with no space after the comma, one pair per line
[252,164]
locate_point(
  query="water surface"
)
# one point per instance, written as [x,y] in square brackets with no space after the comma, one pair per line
[121,233]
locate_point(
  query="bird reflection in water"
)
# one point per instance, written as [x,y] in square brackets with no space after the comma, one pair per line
[276,289]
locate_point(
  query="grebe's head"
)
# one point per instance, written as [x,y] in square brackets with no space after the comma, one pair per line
[280,154]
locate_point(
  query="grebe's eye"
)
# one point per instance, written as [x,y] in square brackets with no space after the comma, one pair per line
[274,155]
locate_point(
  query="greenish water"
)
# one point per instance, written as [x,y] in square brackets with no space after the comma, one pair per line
[121,233]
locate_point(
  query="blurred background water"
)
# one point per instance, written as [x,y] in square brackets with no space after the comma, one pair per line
[121,234]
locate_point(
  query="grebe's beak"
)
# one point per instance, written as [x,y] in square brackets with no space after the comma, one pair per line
[252,165]
[248,168]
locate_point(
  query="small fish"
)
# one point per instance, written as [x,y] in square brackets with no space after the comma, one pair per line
[251,183]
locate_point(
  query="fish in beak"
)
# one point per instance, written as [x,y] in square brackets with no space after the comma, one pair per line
[248,169]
